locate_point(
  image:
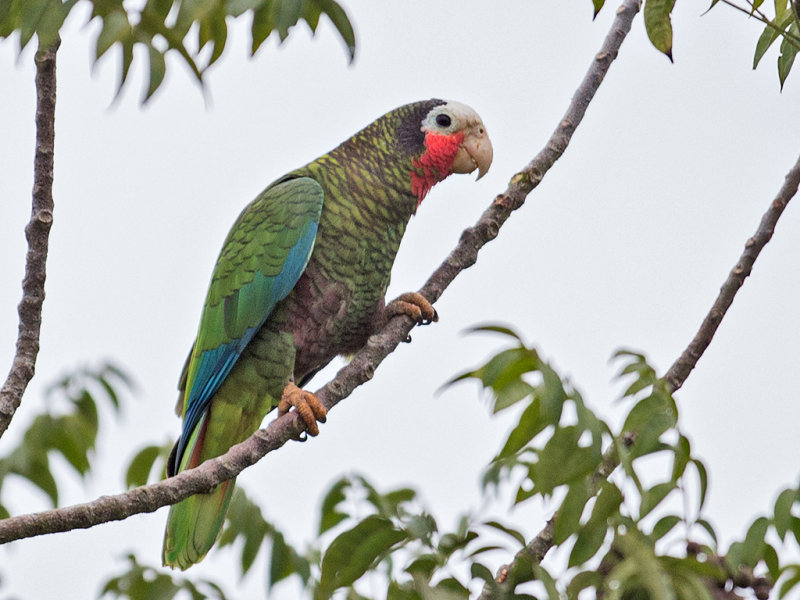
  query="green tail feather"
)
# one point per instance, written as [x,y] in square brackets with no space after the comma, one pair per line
[193,526]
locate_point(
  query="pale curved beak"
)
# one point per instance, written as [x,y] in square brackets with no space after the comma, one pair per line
[475,152]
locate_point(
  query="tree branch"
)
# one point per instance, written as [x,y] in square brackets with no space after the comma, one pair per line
[675,377]
[37,232]
[681,368]
[362,368]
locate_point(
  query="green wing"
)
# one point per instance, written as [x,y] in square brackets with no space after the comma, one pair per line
[263,257]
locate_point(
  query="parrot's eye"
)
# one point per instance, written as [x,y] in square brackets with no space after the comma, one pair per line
[443,120]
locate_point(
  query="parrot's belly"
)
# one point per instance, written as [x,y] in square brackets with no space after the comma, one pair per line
[328,318]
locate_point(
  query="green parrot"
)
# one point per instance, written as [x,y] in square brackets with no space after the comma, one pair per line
[301,278]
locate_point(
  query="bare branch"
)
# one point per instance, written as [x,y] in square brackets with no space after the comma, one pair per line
[37,233]
[362,368]
[677,374]
[681,368]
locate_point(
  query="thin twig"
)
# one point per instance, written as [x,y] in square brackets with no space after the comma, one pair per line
[362,367]
[760,16]
[37,233]
[681,368]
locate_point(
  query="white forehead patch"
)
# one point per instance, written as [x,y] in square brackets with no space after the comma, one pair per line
[460,117]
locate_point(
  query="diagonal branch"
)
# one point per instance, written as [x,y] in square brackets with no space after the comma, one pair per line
[362,368]
[535,550]
[681,368]
[37,232]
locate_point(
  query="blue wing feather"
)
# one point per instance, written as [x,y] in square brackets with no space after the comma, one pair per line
[213,365]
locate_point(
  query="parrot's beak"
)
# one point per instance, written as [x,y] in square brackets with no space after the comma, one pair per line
[475,152]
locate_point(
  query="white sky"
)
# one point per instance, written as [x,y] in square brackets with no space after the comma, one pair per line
[624,244]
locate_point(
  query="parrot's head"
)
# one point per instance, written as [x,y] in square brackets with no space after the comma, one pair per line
[450,138]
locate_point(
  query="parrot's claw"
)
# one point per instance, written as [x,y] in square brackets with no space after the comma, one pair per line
[414,305]
[407,340]
[307,406]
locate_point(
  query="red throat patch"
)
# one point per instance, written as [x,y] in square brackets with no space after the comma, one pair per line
[436,162]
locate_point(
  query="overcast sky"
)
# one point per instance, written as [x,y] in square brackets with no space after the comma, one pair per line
[625,243]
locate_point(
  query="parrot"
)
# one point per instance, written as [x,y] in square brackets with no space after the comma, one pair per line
[301,278]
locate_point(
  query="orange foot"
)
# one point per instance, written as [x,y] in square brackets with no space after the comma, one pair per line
[413,305]
[306,404]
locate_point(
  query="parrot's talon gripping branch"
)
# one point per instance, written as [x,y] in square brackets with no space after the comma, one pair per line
[307,406]
[413,305]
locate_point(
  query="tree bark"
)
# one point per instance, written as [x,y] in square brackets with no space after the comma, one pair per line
[37,233]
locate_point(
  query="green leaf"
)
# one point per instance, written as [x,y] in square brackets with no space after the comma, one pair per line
[329,516]
[341,22]
[423,566]
[353,551]
[733,559]
[40,475]
[508,366]
[589,540]
[391,501]
[214,28]
[768,36]
[450,542]
[783,511]
[279,560]
[30,15]
[261,28]
[285,14]
[503,375]
[663,526]
[753,546]
[529,426]
[141,465]
[772,561]
[506,331]
[709,530]
[658,25]
[563,460]
[789,48]
[649,418]
[158,69]
[126,59]
[244,519]
[541,574]
[654,496]
[791,582]
[518,536]
[683,451]
[702,475]
[52,20]
[568,517]
[593,533]
[419,527]
[582,581]
[686,585]
[598,5]
[795,527]
[479,571]
[237,8]
[73,437]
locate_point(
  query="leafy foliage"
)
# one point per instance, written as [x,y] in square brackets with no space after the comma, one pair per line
[69,428]
[626,535]
[245,523]
[141,582]
[197,30]
[785,24]
[148,464]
